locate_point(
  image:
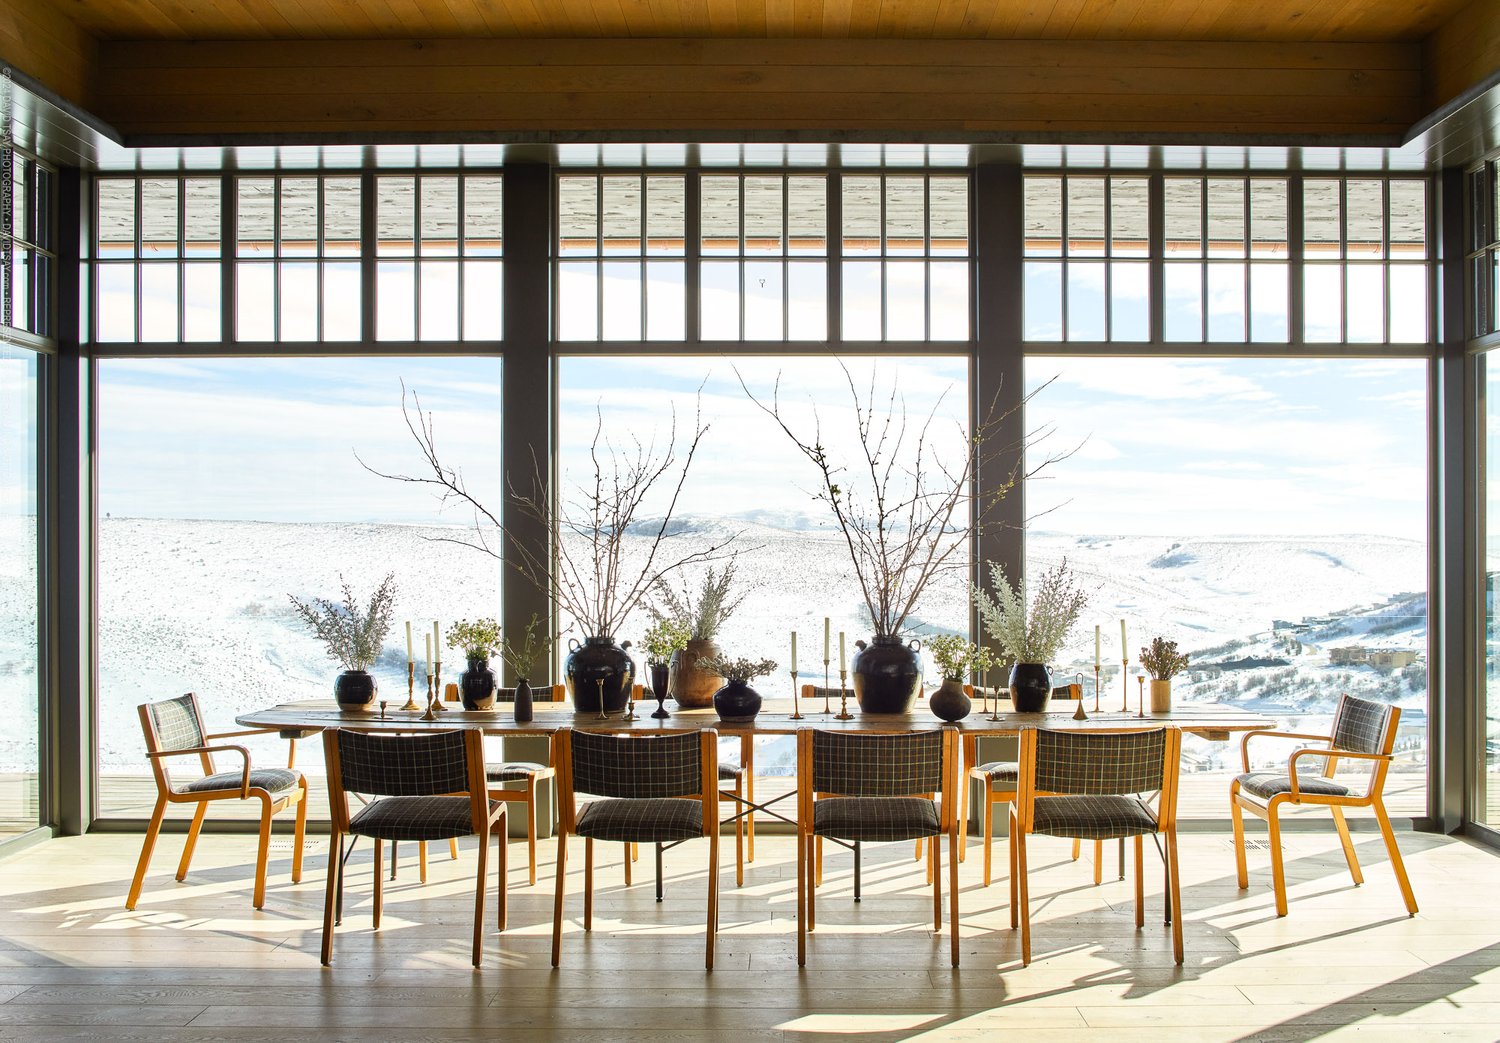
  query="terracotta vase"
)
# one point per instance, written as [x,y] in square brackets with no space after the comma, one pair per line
[692,687]
[1161,696]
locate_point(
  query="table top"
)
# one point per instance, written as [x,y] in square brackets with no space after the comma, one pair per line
[1210,720]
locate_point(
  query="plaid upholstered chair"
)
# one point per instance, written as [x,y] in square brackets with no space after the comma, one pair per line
[1363,731]
[429,786]
[868,787]
[174,728]
[1095,785]
[650,789]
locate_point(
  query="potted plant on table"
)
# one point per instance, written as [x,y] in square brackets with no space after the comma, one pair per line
[522,659]
[662,642]
[956,657]
[736,702]
[701,614]
[478,639]
[1030,632]
[1162,661]
[353,637]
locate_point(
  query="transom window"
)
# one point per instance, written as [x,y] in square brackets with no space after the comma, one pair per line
[26,250]
[157,272]
[1364,254]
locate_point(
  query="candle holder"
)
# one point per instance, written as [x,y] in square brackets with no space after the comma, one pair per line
[995,706]
[629,708]
[411,687]
[796,713]
[843,714]
[1140,703]
[660,713]
[431,714]
[1125,685]
[826,686]
[1096,687]
[437,688]
[602,715]
[1078,714]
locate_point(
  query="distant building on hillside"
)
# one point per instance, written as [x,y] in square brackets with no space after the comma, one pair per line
[1349,655]
[1379,658]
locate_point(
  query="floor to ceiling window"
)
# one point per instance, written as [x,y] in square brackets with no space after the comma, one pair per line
[19,752]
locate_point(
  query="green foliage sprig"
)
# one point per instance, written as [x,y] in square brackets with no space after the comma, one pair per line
[521,658]
[706,611]
[736,669]
[1162,659]
[353,635]
[957,657]
[665,637]
[478,639]
[1031,632]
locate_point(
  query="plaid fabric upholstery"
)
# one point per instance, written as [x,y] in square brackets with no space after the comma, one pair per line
[1098,764]
[875,818]
[637,767]
[415,818]
[177,726]
[651,821]
[513,771]
[1359,725]
[1001,771]
[403,765]
[272,780]
[1267,784]
[855,765]
[1092,817]
[728,771]
[819,692]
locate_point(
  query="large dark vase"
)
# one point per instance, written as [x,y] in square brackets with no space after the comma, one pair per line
[949,702]
[887,674]
[476,685]
[599,669]
[660,678]
[737,703]
[1030,687]
[355,690]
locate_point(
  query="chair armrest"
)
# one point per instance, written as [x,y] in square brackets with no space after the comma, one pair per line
[1272,733]
[248,731]
[1326,753]
[227,748]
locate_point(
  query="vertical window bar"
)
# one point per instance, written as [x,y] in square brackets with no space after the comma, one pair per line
[1296,250]
[740,187]
[138,259]
[1109,257]
[1343,254]
[692,255]
[460,221]
[369,245]
[786,268]
[1246,237]
[833,237]
[1156,252]
[598,257]
[1066,253]
[320,217]
[885,253]
[640,245]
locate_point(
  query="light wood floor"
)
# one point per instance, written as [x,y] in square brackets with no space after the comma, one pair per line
[195,962]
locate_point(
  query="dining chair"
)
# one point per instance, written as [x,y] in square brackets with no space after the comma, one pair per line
[428,786]
[1362,731]
[862,787]
[648,789]
[1097,785]
[174,728]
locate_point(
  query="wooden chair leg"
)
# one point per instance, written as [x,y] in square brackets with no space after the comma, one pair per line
[747,762]
[1015,875]
[817,844]
[812,890]
[1098,862]
[935,868]
[1077,848]
[422,861]
[299,835]
[557,898]
[1395,855]
[1237,820]
[147,846]
[588,881]
[801,899]
[1023,896]
[263,851]
[1348,842]
[330,894]
[379,895]
[502,872]
[192,839]
[1140,882]
[1174,899]
[453,849]
[931,859]
[531,827]
[626,861]
[1278,871]
[739,836]
[989,829]
[713,897]
[481,873]
[955,849]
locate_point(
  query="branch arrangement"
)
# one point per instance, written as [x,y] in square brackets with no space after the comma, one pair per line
[353,635]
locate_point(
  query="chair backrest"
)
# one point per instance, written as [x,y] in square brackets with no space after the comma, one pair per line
[172,724]
[852,764]
[1099,763]
[817,691]
[1363,726]
[607,765]
[423,765]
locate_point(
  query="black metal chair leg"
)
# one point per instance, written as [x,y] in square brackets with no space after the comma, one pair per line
[658,872]
[393,860]
[856,870]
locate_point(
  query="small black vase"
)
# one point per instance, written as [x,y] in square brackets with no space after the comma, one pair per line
[1030,687]
[355,690]
[476,685]
[523,703]
[737,703]
[949,702]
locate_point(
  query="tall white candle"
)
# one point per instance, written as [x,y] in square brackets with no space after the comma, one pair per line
[1124,644]
[408,641]
[841,651]
[1097,659]
[826,656]
[794,651]
[437,644]
[428,638]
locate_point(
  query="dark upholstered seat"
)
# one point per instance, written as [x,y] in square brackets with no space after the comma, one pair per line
[513,771]
[1267,784]
[272,780]
[728,771]
[1000,771]
[652,821]
[1093,818]
[875,818]
[415,818]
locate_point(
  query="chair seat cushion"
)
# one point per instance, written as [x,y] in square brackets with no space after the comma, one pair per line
[1000,771]
[415,818]
[728,771]
[875,818]
[1268,784]
[647,820]
[272,780]
[513,771]
[1093,817]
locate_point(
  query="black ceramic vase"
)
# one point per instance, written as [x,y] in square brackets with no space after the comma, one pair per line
[737,703]
[599,670]
[1030,687]
[660,676]
[476,685]
[355,690]
[522,708]
[949,703]
[887,674]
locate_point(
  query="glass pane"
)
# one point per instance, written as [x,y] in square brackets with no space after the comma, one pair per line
[577,215]
[1086,302]
[862,304]
[1365,322]
[299,217]
[807,216]
[200,301]
[201,217]
[622,216]
[438,218]
[255,220]
[666,217]
[159,214]
[1043,211]
[395,300]
[622,300]
[1321,214]
[341,216]
[395,216]
[1226,218]
[1488,810]
[1366,220]
[861,217]
[577,301]
[719,203]
[666,301]
[484,216]
[1043,301]
[1268,220]
[763,216]
[20,679]
[1269,321]
[299,301]
[116,219]
[948,206]
[483,296]
[1086,217]
[948,300]
[905,215]
[763,299]
[1408,303]
[16,216]
[807,300]
[439,300]
[158,302]
[1182,204]
[1182,311]
[341,297]
[116,302]
[1129,212]
[905,300]
[1322,303]
[255,302]
[719,301]
[1226,302]
[1129,301]
[1408,224]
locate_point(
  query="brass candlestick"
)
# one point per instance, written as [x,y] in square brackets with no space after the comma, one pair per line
[437,687]
[630,707]
[796,713]
[411,688]
[1140,702]
[602,715]
[1096,687]
[1078,714]
[826,686]
[995,706]
[431,714]
[843,714]
[1125,685]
